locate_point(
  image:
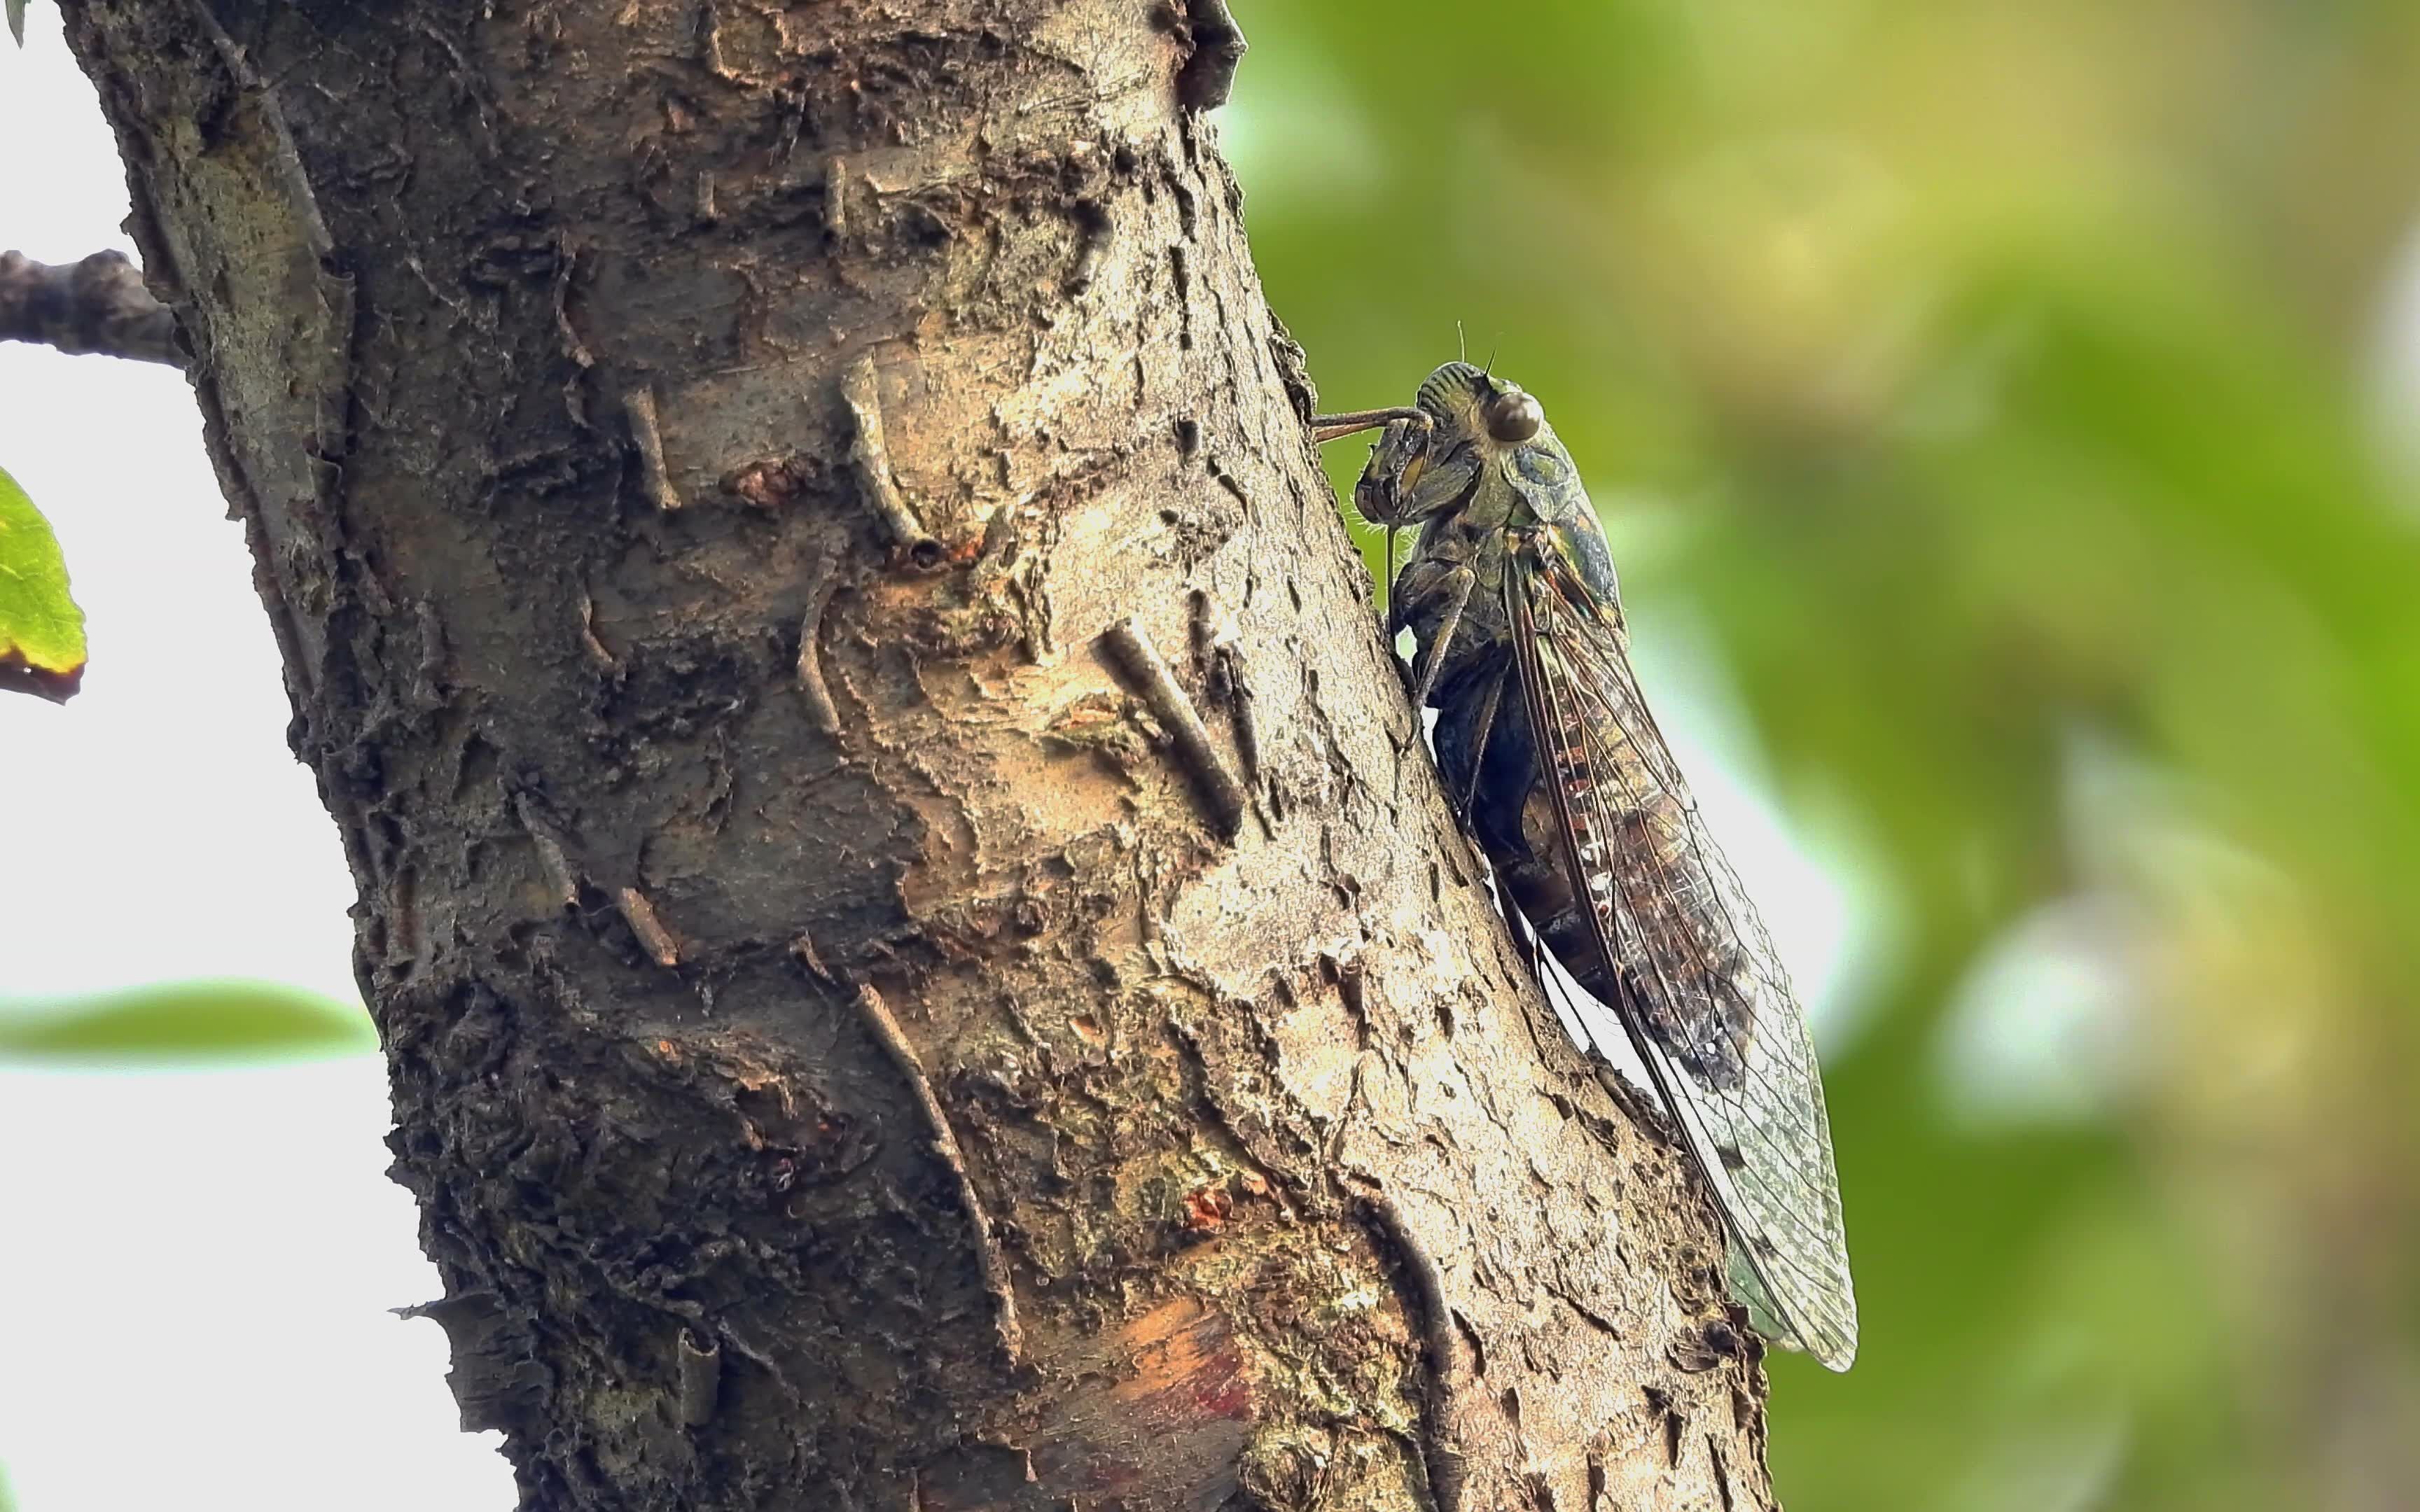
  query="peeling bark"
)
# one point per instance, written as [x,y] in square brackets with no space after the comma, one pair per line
[863,1033]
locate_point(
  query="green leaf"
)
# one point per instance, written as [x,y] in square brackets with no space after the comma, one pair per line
[185,1022]
[42,630]
[17,20]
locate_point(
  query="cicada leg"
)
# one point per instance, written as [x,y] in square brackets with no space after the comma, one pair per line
[1395,461]
[1382,495]
[1388,492]
[1488,703]
[1397,489]
[1325,428]
[1458,585]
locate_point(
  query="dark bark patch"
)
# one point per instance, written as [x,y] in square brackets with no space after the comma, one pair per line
[679,685]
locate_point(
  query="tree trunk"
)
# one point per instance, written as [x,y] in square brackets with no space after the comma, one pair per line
[920,964]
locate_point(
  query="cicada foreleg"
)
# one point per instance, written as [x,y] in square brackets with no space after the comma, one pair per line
[1383,495]
[1325,428]
[1398,489]
[1388,491]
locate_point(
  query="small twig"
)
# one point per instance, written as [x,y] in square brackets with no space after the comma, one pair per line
[803,950]
[639,404]
[701,1378]
[1215,644]
[988,1259]
[402,940]
[550,852]
[641,915]
[836,197]
[428,678]
[575,397]
[863,388]
[1440,1345]
[1092,220]
[823,578]
[710,40]
[97,304]
[1247,732]
[1427,1277]
[588,641]
[1167,702]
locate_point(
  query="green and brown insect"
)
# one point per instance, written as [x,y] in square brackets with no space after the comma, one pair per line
[1570,790]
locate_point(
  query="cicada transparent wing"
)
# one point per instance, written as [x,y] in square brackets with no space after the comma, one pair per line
[1705,999]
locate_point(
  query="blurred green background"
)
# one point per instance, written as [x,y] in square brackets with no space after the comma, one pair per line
[2025,399]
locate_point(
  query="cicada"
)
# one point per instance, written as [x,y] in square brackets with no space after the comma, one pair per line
[1561,777]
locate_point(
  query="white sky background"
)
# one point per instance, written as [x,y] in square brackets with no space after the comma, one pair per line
[196,1267]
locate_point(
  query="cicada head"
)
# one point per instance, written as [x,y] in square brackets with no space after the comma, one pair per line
[1475,406]
[1492,457]
[1467,426]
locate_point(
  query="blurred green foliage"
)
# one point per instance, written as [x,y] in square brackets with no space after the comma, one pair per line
[183,1023]
[2010,390]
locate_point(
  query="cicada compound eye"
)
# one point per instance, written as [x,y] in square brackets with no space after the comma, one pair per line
[1513,416]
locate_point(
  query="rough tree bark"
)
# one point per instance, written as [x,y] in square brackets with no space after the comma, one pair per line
[754,498]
